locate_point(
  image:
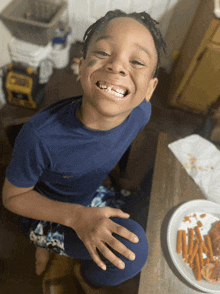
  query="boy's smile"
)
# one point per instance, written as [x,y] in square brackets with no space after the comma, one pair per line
[117,90]
[117,73]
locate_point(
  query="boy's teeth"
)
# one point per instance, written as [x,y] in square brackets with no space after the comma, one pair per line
[114,92]
[102,87]
[113,89]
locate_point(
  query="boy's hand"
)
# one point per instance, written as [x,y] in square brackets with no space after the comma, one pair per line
[95,229]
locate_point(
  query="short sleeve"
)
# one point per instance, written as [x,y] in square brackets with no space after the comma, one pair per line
[29,159]
[145,114]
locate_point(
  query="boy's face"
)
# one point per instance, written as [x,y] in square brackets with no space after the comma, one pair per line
[117,73]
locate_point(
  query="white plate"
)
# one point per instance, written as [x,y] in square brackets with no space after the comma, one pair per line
[186,209]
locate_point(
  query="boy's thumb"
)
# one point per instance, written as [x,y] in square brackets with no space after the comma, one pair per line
[115,212]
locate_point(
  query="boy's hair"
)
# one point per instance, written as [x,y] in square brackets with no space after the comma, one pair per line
[142,17]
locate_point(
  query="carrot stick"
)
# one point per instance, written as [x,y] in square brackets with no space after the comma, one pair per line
[179,241]
[184,249]
[198,269]
[206,260]
[191,236]
[199,223]
[195,249]
[205,249]
[198,234]
[197,230]
[200,255]
[209,245]
[187,259]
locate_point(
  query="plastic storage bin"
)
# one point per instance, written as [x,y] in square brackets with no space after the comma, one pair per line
[24,21]
[28,53]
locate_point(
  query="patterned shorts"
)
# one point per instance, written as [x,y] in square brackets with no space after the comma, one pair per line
[50,236]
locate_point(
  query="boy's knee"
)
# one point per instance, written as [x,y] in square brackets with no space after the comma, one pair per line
[113,275]
[140,249]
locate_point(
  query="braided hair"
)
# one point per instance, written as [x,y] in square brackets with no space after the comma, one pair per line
[143,17]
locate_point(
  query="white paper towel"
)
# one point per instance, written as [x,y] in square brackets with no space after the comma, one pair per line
[201,159]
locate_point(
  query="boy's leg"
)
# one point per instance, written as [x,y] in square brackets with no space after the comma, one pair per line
[42,257]
[49,236]
[113,275]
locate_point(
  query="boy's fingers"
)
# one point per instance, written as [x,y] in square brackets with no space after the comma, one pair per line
[120,230]
[94,255]
[115,212]
[125,233]
[121,248]
[107,253]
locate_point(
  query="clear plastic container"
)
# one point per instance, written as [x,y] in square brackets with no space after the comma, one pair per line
[60,54]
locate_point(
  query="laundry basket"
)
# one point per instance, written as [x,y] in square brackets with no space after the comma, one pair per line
[33,21]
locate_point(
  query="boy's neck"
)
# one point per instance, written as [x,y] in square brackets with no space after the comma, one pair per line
[96,121]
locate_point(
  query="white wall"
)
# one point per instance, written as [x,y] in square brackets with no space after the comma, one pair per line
[5,37]
[174,16]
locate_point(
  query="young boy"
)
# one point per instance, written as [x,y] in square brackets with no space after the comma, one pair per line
[63,154]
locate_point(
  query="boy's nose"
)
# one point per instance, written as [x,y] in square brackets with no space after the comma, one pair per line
[116,66]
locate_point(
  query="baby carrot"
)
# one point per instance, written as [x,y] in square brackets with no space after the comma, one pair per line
[179,241]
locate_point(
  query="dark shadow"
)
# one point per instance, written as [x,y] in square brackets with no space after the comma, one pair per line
[12,133]
[138,205]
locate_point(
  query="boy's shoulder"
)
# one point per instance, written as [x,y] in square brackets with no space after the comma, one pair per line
[143,110]
[139,117]
[55,114]
[145,106]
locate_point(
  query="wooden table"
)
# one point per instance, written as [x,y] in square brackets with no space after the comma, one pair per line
[171,187]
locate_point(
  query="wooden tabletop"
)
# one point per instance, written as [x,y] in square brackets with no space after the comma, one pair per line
[171,187]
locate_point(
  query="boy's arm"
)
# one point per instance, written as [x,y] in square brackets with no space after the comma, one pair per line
[92,225]
[29,203]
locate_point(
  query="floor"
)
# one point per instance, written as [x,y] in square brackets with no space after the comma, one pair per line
[17,255]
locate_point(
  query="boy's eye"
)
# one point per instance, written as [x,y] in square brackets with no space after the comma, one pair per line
[135,62]
[102,53]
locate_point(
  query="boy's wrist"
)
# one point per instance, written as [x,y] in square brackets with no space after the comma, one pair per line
[72,214]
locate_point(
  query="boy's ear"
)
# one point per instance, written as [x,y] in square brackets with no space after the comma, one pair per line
[81,64]
[81,61]
[151,87]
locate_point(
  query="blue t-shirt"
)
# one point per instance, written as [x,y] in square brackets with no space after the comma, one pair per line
[65,160]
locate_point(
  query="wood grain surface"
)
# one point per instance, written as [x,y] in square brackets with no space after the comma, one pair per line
[171,187]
